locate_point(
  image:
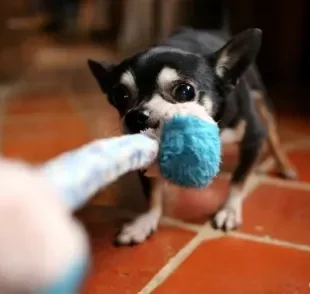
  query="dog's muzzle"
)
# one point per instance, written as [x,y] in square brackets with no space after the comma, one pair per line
[137,120]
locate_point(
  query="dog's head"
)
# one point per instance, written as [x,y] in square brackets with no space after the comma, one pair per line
[155,84]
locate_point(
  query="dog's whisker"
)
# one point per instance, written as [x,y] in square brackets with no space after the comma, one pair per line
[114,131]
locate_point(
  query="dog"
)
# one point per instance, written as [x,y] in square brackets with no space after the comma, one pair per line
[200,72]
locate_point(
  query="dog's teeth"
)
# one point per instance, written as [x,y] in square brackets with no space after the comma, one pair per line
[150,133]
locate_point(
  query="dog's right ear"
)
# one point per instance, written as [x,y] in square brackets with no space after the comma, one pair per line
[101,71]
[233,59]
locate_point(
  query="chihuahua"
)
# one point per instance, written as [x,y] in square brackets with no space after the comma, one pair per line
[200,73]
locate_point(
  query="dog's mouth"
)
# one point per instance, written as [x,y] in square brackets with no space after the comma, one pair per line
[139,128]
[152,132]
[152,126]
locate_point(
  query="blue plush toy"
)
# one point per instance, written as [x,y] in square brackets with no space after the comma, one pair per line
[190,151]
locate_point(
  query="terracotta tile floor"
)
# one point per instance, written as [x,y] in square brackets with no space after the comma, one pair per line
[269,254]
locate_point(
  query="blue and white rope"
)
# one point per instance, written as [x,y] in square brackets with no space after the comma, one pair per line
[79,174]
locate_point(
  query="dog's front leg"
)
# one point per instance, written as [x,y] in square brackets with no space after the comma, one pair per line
[230,216]
[145,224]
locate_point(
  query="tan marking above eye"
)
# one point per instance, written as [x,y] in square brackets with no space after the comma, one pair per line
[128,79]
[166,77]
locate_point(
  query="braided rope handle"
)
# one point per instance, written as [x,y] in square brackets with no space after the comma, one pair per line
[79,174]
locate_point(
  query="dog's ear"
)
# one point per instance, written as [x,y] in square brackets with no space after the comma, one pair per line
[233,59]
[101,71]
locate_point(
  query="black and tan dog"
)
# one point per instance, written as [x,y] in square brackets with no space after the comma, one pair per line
[203,73]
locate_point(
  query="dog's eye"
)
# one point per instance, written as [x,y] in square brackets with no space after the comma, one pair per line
[120,96]
[184,92]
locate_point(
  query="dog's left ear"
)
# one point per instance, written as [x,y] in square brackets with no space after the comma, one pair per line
[101,71]
[232,60]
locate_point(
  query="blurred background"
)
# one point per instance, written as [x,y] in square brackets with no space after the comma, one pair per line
[49,101]
[63,33]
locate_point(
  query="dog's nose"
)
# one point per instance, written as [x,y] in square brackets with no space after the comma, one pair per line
[136,120]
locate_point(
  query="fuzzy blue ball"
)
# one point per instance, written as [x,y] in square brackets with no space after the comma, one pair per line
[190,151]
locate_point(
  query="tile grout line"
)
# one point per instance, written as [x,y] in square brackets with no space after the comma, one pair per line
[256,181]
[208,233]
[178,259]
[284,183]
[205,233]
[168,221]
[299,145]
[269,162]
[270,241]
[267,179]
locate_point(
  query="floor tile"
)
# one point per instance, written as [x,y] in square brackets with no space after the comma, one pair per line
[104,122]
[288,136]
[300,160]
[296,123]
[36,125]
[91,101]
[38,103]
[229,265]
[196,206]
[119,270]
[39,148]
[282,213]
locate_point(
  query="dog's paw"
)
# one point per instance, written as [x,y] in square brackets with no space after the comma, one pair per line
[289,173]
[139,230]
[229,217]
